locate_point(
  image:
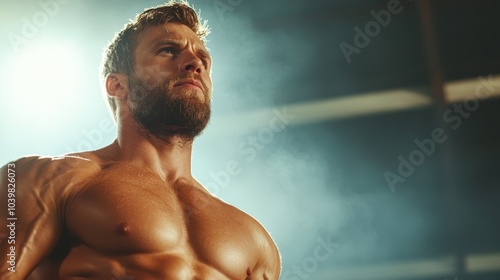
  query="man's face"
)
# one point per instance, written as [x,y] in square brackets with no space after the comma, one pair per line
[170,88]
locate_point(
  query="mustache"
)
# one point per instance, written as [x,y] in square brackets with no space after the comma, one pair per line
[155,82]
[176,79]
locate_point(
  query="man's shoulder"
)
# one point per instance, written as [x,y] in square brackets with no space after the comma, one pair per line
[254,227]
[37,163]
[37,170]
[269,257]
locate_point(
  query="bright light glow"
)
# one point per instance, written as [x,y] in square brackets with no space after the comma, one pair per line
[476,88]
[43,78]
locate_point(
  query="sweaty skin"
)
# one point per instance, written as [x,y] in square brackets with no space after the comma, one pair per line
[132,210]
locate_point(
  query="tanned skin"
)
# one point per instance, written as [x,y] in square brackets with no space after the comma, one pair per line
[132,210]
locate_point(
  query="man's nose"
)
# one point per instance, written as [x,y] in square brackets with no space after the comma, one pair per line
[193,63]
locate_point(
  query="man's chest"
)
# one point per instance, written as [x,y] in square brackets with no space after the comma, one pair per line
[129,211]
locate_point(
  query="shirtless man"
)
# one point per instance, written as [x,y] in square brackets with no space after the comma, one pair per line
[132,210]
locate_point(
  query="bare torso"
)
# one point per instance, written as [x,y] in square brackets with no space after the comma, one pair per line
[121,221]
[132,210]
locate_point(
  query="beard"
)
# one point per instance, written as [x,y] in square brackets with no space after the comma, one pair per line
[163,113]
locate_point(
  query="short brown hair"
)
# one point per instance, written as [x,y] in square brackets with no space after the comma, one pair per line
[118,57]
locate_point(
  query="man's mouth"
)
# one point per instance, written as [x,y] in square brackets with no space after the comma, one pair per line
[190,83]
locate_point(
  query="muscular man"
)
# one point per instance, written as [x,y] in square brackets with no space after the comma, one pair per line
[132,210]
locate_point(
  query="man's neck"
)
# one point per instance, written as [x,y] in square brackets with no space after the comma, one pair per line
[169,157]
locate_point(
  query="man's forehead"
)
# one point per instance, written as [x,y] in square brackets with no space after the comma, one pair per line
[170,31]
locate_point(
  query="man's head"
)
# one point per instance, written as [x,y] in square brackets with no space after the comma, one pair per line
[158,68]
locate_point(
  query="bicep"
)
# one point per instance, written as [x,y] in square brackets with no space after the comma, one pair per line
[29,217]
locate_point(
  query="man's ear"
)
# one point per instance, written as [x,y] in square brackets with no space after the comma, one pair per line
[117,85]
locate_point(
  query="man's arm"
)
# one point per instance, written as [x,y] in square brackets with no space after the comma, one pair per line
[269,266]
[273,259]
[30,220]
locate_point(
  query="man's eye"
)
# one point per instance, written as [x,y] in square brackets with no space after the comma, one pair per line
[167,50]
